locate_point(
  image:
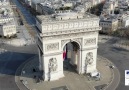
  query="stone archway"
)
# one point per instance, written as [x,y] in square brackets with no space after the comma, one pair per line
[71,56]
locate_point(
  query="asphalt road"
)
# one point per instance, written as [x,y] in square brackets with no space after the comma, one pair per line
[119,56]
[29,18]
[9,62]
[31,49]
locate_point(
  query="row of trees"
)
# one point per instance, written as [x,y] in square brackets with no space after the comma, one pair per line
[96,9]
[124,33]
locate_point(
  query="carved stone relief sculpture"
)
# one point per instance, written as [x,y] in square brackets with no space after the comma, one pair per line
[52,46]
[89,58]
[90,41]
[52,65]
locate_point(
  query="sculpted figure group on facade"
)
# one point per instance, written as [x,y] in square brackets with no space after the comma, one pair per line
[52,65]
[89,58]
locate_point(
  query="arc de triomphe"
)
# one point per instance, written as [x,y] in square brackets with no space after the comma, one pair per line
[55,31]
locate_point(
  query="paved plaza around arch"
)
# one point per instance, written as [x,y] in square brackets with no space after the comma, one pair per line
[71,81]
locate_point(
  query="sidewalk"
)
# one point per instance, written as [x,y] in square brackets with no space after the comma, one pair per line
[72,80]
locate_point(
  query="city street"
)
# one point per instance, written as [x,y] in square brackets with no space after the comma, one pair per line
[119,56]
[29,18]
[9,62]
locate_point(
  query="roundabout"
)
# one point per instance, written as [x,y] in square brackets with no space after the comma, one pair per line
[28,78]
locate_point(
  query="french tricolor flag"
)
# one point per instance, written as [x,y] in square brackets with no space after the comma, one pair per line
[64,53]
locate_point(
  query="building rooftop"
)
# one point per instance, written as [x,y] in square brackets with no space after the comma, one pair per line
[5,12]
[5,16]
[4,2]
[110,18]
[12,22]
[65,16]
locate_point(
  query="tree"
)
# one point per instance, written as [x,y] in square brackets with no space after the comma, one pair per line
[97,9]
[116,11]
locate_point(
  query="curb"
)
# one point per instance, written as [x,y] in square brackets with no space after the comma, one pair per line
[116,84]
[18,72]
[17,79]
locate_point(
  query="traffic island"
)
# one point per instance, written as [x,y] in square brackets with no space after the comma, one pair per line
[31,78]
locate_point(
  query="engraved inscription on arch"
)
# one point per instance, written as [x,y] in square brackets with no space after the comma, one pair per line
[89,41]
[52,46]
